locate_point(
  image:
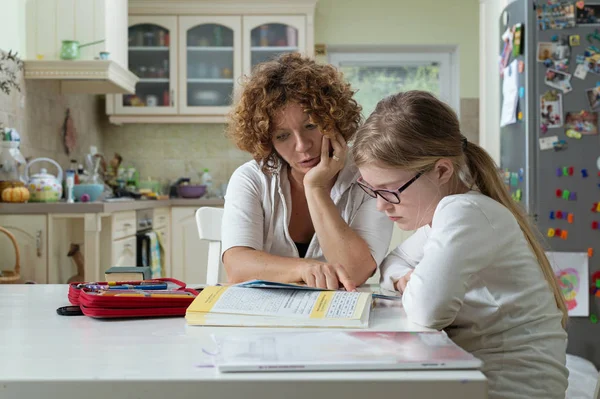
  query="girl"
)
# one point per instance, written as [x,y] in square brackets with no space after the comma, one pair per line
[473,267]
[295,213]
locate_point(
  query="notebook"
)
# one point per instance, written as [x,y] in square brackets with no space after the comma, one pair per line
[341,351]
[278,307]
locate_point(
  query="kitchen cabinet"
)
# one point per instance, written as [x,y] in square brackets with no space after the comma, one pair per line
[124,252]
[210,47]
[30,232]
[153,58]
[189,254]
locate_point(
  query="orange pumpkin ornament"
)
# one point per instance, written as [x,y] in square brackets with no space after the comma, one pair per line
[15,194]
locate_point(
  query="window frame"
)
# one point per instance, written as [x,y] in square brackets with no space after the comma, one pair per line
[445,56]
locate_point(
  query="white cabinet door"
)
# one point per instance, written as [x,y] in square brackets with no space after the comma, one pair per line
[265,37]
[124,252]
[31,233]
[190,254]
[210,58]
[166,245]
[153,58]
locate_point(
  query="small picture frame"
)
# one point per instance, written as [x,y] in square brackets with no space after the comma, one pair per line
[551,109]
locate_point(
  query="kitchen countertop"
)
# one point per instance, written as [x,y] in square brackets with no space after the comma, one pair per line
[102,207]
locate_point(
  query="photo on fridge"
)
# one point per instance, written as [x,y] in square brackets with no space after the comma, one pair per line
[551,109]
[593,97]
[588,15]
[584,122]
[558,80]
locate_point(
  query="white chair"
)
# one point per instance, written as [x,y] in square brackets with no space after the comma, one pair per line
[597,393]
[208,221]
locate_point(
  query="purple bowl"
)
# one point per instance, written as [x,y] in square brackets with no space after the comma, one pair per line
[191,191]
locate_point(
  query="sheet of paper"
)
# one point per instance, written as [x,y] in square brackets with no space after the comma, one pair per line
[510,93]
[572,271]
[546,143]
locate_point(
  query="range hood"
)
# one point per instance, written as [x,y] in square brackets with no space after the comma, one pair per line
[90,77]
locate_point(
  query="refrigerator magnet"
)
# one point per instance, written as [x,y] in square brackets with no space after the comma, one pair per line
[574,40]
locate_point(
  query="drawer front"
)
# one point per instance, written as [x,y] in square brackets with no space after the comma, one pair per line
[123,224]
[161,217]
[124,252]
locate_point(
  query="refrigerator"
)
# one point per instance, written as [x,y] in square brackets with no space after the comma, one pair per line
[554,175]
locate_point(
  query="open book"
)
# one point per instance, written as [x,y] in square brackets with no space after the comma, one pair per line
[275,285]
[278,307]
[340,350]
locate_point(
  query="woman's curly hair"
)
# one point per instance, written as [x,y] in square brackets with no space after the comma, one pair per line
[318,88]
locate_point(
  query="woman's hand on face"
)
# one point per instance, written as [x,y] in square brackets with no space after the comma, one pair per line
[401,284]
[322,174]
[327,275]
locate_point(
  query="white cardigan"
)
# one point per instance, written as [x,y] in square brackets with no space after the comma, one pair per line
[258,208]
[476,277]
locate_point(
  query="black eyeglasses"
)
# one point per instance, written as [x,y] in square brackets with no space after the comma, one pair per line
[393,197]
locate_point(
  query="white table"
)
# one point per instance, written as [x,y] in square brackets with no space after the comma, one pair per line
[46,355]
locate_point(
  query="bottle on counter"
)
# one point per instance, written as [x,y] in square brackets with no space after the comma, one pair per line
[207,181]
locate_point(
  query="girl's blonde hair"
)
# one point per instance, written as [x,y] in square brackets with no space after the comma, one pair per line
[412,130]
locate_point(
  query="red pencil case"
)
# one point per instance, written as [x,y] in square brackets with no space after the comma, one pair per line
[132,304]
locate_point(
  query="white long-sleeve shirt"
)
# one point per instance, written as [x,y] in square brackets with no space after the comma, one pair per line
[258,210]
[476,277]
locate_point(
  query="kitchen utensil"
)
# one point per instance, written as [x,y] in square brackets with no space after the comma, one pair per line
[11,276]
[191,191]
[173,193]
[70,49]
[92,190]
[43,186]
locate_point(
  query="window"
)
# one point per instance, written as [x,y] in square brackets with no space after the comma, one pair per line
[376,75]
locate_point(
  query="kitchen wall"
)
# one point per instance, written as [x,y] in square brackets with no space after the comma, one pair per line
[38,112]
[166,152]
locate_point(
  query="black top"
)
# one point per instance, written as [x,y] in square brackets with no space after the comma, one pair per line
[302,248]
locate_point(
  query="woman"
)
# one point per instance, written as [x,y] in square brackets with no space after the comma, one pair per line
[294,213]
[473,267]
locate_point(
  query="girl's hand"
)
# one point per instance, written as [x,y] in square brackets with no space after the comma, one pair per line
[401,284]
[321,175]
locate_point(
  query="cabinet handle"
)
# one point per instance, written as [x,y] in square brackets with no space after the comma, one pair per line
[127,245]
[38,243]
[172,98]
[127,225]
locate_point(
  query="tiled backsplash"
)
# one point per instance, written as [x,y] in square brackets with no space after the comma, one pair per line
[166,152]
[38,113]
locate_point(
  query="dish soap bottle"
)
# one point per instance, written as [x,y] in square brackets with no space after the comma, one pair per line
[207,181]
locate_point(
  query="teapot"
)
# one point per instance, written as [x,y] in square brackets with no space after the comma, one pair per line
[44,187]
[70,49]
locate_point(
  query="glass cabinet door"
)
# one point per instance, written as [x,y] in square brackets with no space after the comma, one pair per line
[152,57]
[209,63]
[266,37]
